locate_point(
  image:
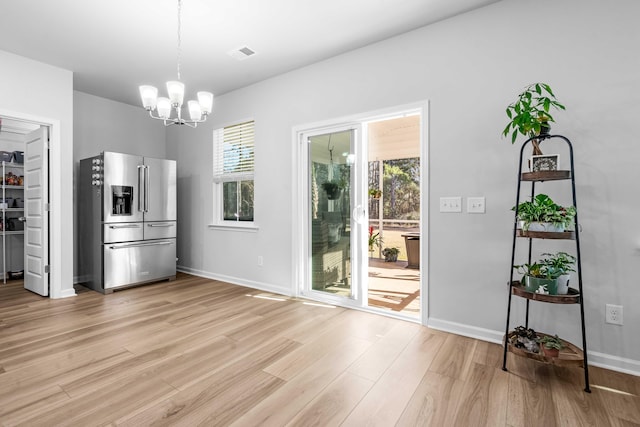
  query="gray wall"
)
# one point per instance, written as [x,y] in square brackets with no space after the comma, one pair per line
[469,68]
[100,124]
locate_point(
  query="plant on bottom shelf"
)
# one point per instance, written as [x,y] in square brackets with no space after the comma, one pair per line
[551,345]
[525,338]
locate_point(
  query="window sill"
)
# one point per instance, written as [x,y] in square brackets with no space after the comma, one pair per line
[247,228]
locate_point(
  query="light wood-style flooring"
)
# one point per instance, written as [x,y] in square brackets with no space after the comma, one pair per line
[201,352]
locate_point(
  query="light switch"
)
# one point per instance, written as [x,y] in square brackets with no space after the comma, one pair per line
[475,205]
[450,204]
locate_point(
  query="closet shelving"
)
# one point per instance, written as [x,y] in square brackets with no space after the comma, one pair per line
[10,214]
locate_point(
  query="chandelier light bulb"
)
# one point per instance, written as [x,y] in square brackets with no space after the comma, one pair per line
[176,92]
[149,95]
[206,102]
[194,110]
[164,107]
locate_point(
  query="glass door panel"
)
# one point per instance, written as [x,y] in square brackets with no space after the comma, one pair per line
[331,205]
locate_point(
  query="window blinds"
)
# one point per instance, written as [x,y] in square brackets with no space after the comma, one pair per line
[233,152]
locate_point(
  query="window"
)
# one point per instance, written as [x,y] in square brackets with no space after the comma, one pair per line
[233,158]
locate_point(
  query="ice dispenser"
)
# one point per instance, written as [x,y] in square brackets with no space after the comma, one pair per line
[122,199]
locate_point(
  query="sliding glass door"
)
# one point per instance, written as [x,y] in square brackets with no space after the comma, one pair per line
[335,216]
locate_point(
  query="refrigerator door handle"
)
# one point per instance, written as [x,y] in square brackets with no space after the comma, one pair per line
[140,183]
[146,188]
[115,227]
[137,245]
[160,225]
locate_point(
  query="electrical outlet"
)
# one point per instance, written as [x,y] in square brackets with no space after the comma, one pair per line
[450,204]
[613,314]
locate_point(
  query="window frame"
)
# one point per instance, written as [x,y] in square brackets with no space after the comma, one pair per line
[219,178]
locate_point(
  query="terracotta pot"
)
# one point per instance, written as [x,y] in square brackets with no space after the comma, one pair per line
[550,352]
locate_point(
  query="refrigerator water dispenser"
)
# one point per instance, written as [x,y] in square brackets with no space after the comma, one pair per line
[122,198]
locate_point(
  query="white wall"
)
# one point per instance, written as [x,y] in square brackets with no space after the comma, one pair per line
[41,92]
[101,124]
[470,67]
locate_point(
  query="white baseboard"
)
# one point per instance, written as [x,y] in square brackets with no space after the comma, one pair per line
[466,330]
[237,281]
[65,293]
[601,360]
[615,363]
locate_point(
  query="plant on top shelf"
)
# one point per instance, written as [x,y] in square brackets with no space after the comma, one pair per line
[529,115]
[545,214]
[551,345]
[391,254]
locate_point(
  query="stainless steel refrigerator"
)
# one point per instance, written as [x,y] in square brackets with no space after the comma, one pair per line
[127,220]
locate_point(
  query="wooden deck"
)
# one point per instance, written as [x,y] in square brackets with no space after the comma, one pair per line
[394,287]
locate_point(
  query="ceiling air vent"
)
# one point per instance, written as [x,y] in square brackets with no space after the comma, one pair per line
[242,53]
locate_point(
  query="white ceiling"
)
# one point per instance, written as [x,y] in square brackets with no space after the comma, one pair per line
[113,46]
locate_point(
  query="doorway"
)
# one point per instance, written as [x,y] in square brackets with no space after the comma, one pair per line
[24,191]
[355,177]
[394,190]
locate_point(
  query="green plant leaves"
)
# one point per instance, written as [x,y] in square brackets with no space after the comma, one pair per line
[543,209]
[530,110]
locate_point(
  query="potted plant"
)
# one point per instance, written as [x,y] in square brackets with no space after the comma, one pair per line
[375,193]
[333,189]
[526,338]
[374,239]
[529,115]
[562,265]
[543,214]
[391,254]
[538,278]
[551,345]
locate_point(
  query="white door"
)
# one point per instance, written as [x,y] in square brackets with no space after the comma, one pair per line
[36,195]
[335,216]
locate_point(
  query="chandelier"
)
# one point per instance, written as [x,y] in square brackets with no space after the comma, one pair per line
[162,106]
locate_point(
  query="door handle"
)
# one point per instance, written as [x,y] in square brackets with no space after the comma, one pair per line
[146,188]
[137,245]
[124,226]
[160,225]
[358,214]
[140,183]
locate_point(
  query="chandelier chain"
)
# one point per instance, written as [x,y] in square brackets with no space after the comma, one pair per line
[179,53]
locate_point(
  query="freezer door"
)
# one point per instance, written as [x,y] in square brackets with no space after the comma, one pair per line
[160,197]
[159,230]
[138,262]
[123,232]
[122,197]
